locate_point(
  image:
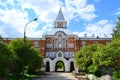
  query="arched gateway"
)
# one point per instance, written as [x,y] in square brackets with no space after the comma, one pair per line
[59,47]
[59,66]
[68,65]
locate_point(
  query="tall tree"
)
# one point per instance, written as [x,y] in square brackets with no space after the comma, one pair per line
[116,31]
[7,58]
[1,39]
[27,56]
[98,54]
[111,54]
[87,58]
[84,56]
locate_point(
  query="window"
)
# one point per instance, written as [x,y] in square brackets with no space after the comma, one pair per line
[36,44]
[60,37]
[95,42]
[47,54]
[59,54]
[83,43]
[71,45]
[60,45]
[107,42]
[60,24]
[48,45]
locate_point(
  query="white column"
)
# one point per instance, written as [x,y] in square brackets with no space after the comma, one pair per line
[76,69]
[52,66]
[67,66]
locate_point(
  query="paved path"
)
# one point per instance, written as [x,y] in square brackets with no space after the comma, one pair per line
[56,76]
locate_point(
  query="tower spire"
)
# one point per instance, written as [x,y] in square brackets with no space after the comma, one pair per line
[60,20]
[60,15]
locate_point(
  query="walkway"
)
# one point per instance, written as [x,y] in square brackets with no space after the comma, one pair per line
[56,76]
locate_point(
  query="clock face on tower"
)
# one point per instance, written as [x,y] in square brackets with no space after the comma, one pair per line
[60,24]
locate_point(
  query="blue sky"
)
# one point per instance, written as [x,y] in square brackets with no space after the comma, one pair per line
[89,17]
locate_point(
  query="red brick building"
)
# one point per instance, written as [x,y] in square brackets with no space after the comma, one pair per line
[60,45]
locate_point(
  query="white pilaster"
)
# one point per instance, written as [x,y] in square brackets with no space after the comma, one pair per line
[52,67]
[67,67]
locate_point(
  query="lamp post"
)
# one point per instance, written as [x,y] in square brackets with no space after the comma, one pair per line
[24,44]
[26,26]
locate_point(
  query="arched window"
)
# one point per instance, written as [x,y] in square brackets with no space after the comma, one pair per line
[59,54]
[59,45]
[60,37]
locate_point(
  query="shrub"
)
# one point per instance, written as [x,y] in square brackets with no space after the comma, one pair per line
[116,74]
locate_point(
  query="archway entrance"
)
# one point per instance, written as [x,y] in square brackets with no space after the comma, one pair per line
[59,67]
[72,68]
[47,68]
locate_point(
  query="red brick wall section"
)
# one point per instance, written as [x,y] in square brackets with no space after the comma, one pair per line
[77,43]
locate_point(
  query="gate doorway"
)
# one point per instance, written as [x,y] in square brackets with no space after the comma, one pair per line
[47,68]
[59,67]
[72,68]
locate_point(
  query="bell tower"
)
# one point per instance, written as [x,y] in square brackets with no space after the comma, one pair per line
[60,20]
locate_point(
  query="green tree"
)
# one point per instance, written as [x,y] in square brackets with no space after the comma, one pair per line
[108,56]
[111,54]
[34,59]
[87,58]
[98,55]
[28,57]
[1,39]
[7,57]
[116,31]
[83,57]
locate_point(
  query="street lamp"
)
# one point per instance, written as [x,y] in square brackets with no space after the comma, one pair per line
[26,26]
[24,42]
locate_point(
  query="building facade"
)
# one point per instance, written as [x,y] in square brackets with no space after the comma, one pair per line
[60,45]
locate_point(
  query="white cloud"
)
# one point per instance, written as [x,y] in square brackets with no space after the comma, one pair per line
[72,7]
[100,28]
[87,13]
[117,12]
[14,19]
[33,33]
[79,9]
[16,16]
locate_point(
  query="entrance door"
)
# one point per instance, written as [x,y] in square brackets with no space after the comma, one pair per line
[59,67]
[72,68]
[47,67]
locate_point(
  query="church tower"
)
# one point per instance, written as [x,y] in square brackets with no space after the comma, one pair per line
[59,46]
[60,20]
